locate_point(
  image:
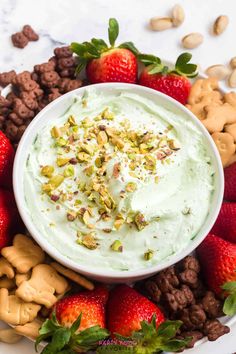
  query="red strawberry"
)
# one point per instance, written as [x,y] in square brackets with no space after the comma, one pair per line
[90,303]
[218,261]
[173,83]
[107,63]
[6,161]
[9,218]
[141,322]
[115,65]
[126,308]
[77,325]
[175,86]
[225,225]
[230,183]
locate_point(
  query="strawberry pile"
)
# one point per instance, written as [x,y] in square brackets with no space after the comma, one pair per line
[134,324]
[107,63]
[9,217]
[217,253]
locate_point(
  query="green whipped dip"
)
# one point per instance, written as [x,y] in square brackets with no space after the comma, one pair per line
[118,182]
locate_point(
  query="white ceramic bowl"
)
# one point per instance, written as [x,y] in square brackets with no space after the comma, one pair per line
[57,108]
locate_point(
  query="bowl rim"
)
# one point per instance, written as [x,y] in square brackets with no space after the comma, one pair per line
[102,272]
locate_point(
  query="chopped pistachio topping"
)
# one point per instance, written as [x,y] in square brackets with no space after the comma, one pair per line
[140,221]
[52,184]
[98,162]
[78,202]
[131,187]
[87,240]
[89,170]
[55,132]
[173,144]
[186,211]
[119,221]
[84,148]
[102,138]
[83,157]
[47,171]
[61,142]
[56,180]
[47,188]
[71,215]
[88,148]
[118,142]
[62,161]
[69,171]
[106,114]
[116,169]
[71,120]
[148,255]
[117,246]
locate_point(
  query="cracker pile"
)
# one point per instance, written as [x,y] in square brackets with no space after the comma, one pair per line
[217,112]
[29,287]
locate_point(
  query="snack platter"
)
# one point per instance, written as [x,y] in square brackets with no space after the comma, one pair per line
[46,296]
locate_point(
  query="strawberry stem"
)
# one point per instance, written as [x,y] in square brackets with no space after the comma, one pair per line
[87,51]
[113,31]
[68,340]
[182,65]
[148,339]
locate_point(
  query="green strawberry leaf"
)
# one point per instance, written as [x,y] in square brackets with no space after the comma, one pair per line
[122,338]
[90,337]
[153,63]
[149,339]
[149,59]
[158,68]
[76,324]
[60,338]
[100,44]
[80,66]
[78,48]
[47,329]
[149,329]
[168,329]
[113,31]
[48,349]
[175,344]
[229,307]
[54,320]
[130,46]
[183,67]
[66,340]
[229,286]
[183,59]
[91,50]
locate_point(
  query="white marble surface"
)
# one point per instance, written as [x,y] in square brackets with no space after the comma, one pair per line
[63,21]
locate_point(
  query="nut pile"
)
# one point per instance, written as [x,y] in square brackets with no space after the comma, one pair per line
[195,39]
[217,113]
[183,296]
[176,19]
[32,91]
